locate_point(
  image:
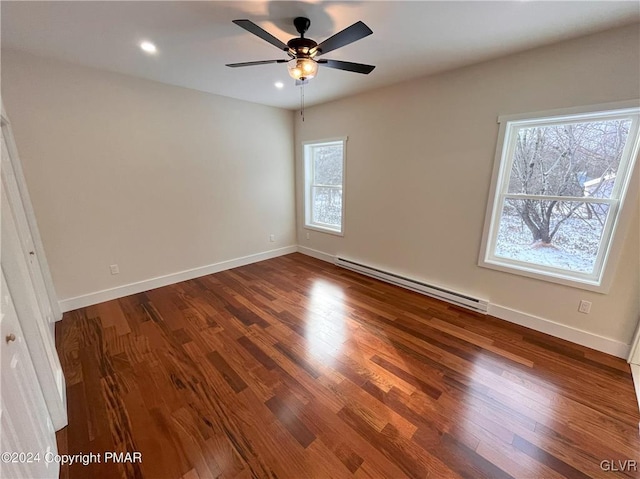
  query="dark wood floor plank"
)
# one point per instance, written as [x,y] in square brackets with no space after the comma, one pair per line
[295,368]
[232,378]
[257,353]
[288,418]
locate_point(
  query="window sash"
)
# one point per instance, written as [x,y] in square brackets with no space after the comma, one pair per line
[603,249]
[314,213]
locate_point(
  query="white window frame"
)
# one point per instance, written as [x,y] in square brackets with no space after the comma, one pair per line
[600,279]
[307,153]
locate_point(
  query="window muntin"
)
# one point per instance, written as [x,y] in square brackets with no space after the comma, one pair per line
[558,194]
[324,185]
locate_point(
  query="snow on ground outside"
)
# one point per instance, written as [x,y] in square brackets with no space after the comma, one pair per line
[574,247]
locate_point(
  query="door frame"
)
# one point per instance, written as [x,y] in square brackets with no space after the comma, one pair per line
[7,133]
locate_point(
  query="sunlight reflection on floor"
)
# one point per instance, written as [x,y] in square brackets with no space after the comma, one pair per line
[325,328]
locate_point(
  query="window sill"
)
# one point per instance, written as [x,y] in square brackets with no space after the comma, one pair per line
[588,284]
[324,230]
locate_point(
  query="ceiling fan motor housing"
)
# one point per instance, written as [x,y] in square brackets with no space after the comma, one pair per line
[302,46]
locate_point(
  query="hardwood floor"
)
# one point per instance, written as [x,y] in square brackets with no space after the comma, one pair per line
[294,368]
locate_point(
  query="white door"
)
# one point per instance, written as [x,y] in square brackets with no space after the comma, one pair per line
[27,436]
[27,287]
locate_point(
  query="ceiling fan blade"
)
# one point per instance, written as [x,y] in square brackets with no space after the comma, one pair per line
[348,66]
[251,27]
[349,35]
[248,64]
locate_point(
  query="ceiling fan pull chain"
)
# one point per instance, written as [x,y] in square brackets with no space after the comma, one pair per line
[302,101]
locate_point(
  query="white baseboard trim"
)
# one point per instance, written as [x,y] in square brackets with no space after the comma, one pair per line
[317,254]
[574,335]
[70,304]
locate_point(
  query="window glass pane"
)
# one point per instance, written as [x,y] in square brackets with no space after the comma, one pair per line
[564,235]
[574,159]
[327,165]
[327,206]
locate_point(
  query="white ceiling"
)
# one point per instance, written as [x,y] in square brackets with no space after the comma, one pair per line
[196,39]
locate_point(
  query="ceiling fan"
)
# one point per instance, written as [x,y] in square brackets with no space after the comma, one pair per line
[303,52]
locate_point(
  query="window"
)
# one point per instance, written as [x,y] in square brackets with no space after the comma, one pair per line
[557,193]
[324,185]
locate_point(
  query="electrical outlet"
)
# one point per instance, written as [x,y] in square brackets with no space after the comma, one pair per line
[585,307]
[115,269]
[272,238]
[308,235]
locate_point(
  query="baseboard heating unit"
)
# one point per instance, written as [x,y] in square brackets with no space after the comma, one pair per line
[462,300]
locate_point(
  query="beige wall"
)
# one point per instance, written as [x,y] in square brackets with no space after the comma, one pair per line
[155,178]
[419,162]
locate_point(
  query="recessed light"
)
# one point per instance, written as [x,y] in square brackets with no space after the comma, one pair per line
[279,84]
[148,47]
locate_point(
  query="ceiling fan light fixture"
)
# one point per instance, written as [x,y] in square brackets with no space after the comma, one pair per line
[302,68]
